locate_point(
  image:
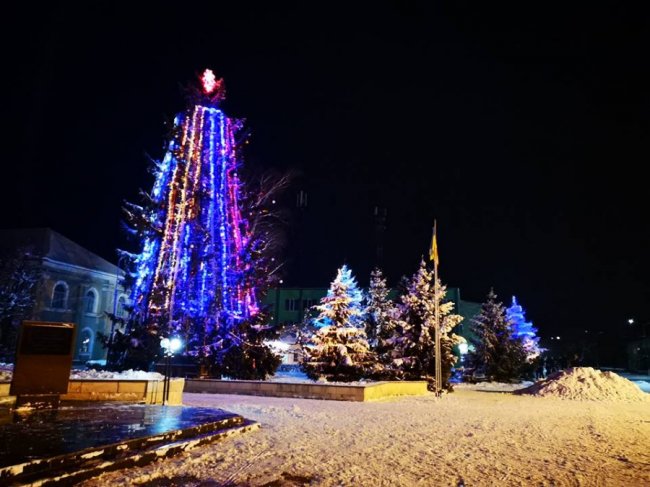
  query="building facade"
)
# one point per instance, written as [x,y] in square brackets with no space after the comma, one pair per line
[75,286]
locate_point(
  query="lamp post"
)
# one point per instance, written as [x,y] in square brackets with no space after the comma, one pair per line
[169,346]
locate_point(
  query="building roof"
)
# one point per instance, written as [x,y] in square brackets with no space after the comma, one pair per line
[49,244]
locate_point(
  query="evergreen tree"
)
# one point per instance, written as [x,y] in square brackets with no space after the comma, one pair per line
[412,346]
[19,278]
[208,241]
[244,354]
[496,351]
[339,349]
[380,309]
[523,330]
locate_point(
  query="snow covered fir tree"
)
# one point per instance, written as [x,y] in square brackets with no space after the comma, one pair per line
[207,249]
[523,330]
[18,282]
[339,349]
[409,352]
[380,310]
[497,352]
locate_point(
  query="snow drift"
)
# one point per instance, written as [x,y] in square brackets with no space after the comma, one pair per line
[7,370]
[586,384]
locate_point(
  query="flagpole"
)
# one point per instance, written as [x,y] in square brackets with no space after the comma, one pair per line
[436,309]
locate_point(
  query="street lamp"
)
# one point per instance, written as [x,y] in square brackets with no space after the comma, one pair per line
[641,325]
[169,346]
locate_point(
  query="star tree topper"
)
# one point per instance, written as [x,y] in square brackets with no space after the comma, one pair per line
[212,88]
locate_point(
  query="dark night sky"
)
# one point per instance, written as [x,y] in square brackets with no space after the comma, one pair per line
[524,132]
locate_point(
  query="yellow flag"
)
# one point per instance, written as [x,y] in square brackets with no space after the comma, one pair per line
[433,252]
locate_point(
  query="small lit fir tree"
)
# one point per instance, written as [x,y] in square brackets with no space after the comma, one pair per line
[380,310]
[496,351]
[523,330]
[412,346]
[339,350]
[208,244]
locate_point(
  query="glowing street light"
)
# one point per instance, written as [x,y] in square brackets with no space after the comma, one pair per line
[170,346]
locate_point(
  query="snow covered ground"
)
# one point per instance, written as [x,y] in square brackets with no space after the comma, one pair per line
[470,437]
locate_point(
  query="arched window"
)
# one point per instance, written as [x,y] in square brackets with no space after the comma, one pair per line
[60,295]
[91,301]
[120,311]
[86,343]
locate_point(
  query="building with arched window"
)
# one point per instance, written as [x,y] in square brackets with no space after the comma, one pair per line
[60,296]
[76,286]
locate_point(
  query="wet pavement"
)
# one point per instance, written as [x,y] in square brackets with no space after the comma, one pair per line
[76,426]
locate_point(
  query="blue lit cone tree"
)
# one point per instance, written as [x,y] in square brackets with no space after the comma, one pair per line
[523,330]
[207,245]
[497,351]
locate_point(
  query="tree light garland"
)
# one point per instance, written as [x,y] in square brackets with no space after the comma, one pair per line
[194,261]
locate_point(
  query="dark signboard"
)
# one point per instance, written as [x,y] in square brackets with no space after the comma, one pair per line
[43,358]
[46,340]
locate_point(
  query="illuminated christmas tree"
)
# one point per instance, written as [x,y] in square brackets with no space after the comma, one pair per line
[497,351]
[339,349]
[522,329]
[409,351]
[207,243]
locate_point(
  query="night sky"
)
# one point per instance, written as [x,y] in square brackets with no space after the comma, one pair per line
[524,132]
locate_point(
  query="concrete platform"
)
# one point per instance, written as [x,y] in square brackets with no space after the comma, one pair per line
[329,391]
[132,390]
[82,440]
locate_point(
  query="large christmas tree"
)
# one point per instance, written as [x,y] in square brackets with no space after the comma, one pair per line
[206,250]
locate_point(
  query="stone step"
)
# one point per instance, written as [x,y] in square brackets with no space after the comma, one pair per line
[138,458]
[172,431]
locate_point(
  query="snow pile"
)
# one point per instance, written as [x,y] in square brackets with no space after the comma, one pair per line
[587,384]
[107,375]
[6,372]
[298,377]
[493,386]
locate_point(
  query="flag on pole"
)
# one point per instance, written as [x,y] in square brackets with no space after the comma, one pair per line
[433,252]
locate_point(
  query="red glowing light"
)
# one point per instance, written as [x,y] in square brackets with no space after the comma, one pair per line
[209,81]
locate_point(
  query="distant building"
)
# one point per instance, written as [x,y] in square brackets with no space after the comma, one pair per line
[76,286]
